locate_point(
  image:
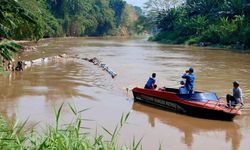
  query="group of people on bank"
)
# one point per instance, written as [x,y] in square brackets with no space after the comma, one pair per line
[187,87]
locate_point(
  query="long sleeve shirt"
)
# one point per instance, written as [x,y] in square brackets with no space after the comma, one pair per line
[237,94]
[190,78]
[150,83]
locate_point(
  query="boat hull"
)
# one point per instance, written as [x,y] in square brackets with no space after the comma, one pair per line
[183,108]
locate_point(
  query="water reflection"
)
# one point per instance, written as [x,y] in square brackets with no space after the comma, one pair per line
[190,126]
[43,80]
[39,88]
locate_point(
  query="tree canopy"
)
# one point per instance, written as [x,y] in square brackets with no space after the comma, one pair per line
[224,22]
[36,19]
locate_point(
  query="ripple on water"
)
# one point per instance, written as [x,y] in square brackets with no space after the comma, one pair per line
[39,88]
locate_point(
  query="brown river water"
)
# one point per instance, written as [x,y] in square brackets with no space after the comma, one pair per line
[35,92]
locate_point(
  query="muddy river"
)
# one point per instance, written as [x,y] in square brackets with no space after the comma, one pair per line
[35,92]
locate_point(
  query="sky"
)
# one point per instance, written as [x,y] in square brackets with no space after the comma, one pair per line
[136,2]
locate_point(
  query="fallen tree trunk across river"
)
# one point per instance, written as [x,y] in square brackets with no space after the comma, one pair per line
[24,64]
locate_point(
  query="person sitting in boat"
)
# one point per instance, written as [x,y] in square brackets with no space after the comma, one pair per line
[183,89]
[151,82]
[237,97]
[190,78]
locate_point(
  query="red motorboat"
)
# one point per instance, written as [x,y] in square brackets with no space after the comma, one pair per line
[198,104]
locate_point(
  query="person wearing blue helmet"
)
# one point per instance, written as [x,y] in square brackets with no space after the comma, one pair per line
[190,78]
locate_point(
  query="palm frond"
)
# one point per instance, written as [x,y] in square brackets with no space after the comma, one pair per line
[8,48]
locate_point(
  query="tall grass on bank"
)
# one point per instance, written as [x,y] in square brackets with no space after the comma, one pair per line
[12,137]
[72,136]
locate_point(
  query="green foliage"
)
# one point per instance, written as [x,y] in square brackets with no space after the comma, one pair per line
[71,136]
[193,41]
[11,137]
[245,34]
[119,7]
[138,11]
[141,25]
[91,17]
[35,19]
[209,8]
[7,48]
[169,38]
[193,26]
[232,8]
[12,15]
[27,19]
[223,22]
[105,22]
[222,32]
[166,20]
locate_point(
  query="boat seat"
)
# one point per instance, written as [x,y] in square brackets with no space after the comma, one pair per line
[172,90]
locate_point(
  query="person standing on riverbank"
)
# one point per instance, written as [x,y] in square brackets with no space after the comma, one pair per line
[151,82]
[237,97]
[190,78]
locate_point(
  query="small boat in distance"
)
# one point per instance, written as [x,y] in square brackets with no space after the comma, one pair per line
[199,104]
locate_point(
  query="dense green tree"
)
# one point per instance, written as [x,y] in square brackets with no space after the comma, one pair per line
[36,19]
[63,18]
[105,18]
[208,8]
[7,48]
[141,25]
[91,17]
[119,7]
[166,19]
[217,22]
[12,14]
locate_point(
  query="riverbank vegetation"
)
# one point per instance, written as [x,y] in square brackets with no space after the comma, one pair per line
[202,22]
[14,22]
[7,50]
[36,19]
[70,136]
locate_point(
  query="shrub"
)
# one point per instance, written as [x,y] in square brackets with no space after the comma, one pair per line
[221,32]
[193,41]
[245,36]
